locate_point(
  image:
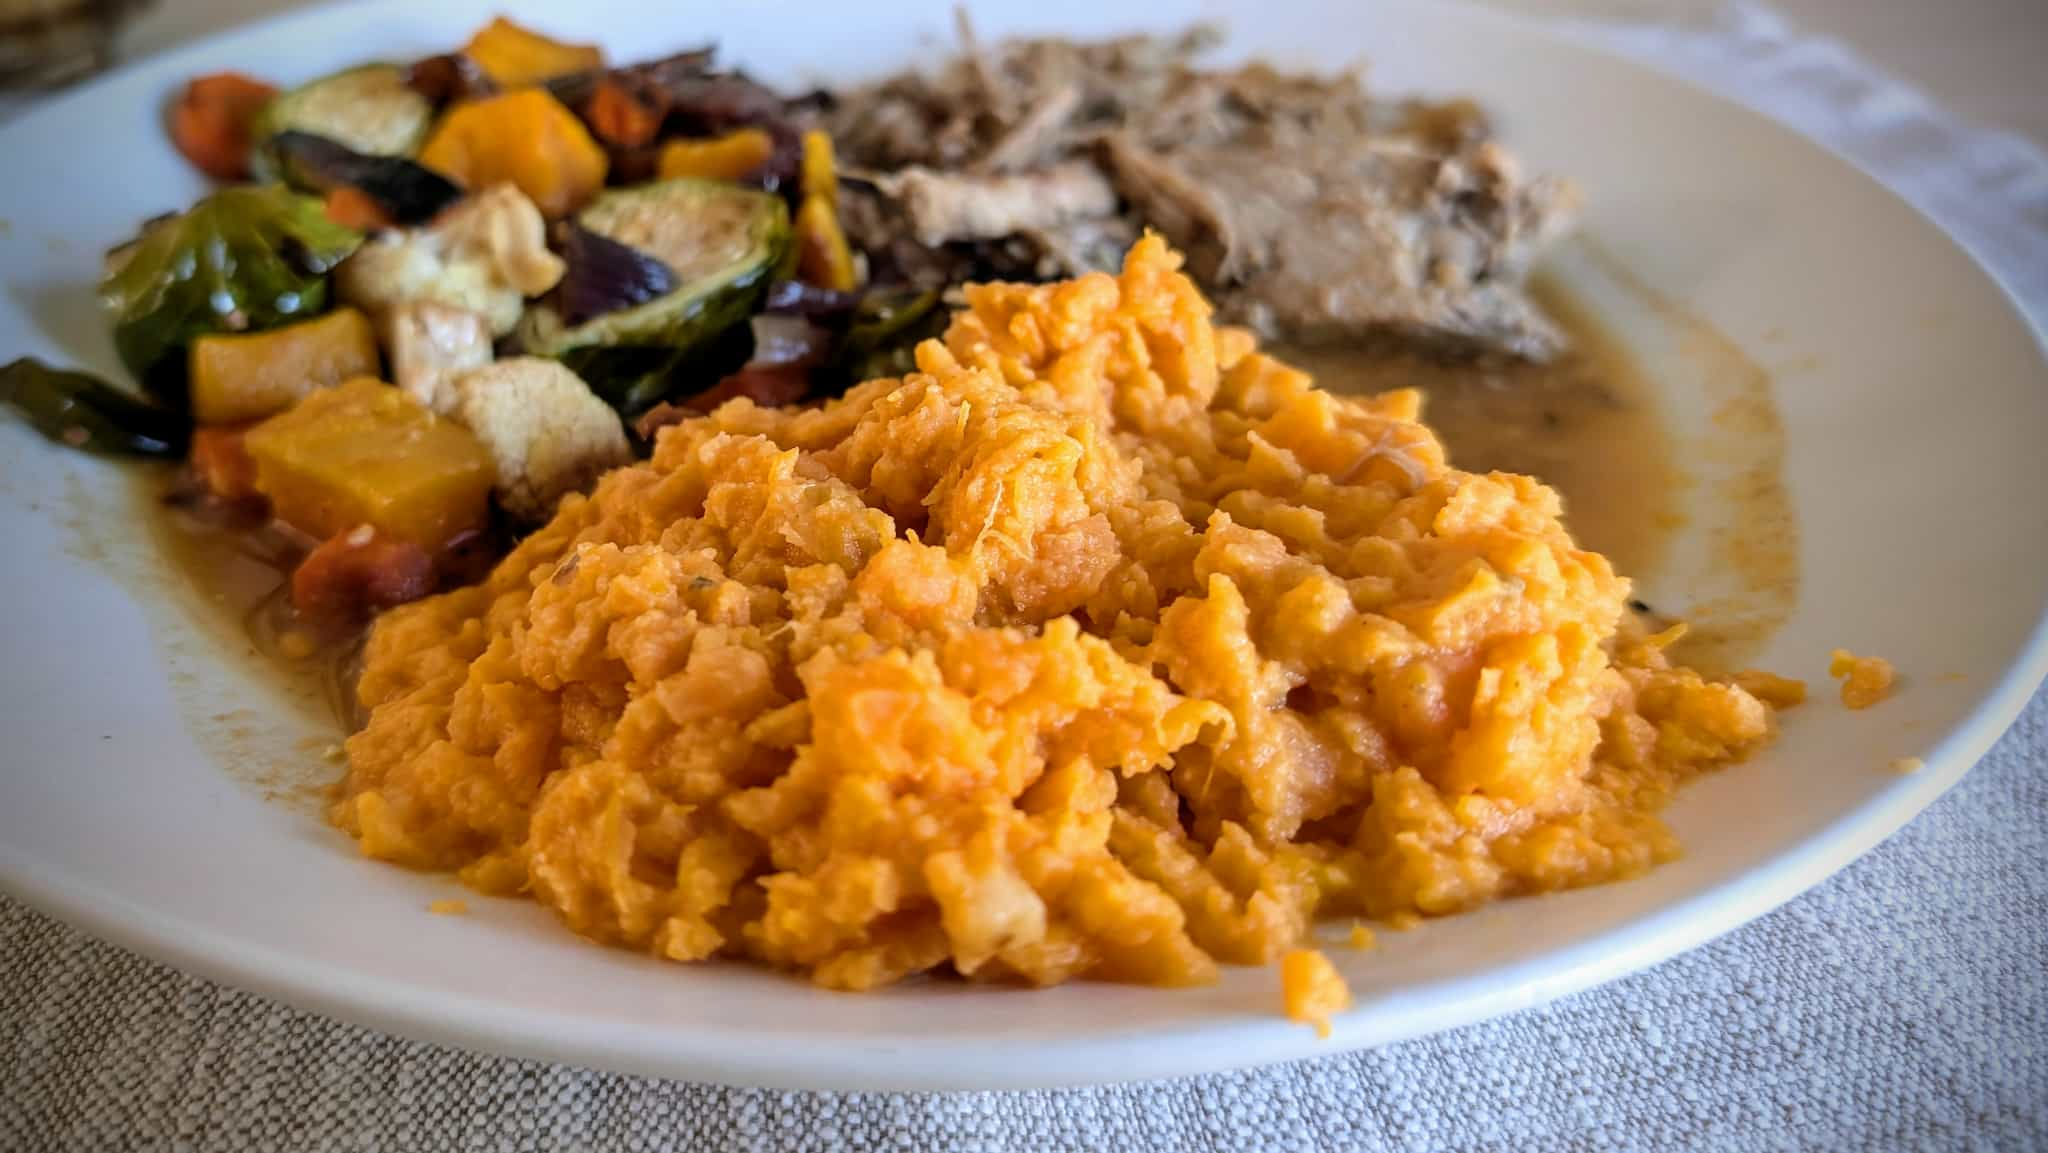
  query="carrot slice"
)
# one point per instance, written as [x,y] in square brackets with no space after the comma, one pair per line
[620,118]
[221,462]
[354,208]
[361,570]
[210,122]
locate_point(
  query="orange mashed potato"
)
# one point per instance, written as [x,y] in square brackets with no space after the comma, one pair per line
[1102,646]
[1311,989]
[1865,680]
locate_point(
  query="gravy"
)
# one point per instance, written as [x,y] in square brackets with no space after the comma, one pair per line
[236,571]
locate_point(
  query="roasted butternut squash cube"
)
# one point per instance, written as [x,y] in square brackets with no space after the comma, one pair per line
[734,156]
[524,138]
[515,56]
[249,376]
[367,453]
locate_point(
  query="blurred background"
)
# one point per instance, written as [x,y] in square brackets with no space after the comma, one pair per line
[1979,57]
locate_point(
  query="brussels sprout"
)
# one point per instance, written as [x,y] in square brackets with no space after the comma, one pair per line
[371,110]
[241,260]
[722,244]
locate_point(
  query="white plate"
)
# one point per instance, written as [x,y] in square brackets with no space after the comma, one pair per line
[1912,395]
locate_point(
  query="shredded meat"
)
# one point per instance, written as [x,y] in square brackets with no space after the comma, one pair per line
[944,206]
[1308,209]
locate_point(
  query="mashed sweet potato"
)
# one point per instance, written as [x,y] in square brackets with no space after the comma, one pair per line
[1101,646]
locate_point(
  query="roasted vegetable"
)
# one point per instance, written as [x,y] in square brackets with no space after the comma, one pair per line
[795,298]
[823,257]
[353,208]
[605,276]
[767,385]
[213,122]
[242,260]
[364,452]
[886,329]
[448,78]
[485,255]
[258,374]
[525,138]
[221,463]
[809,302]
[371,110]
[547,434]
[781,340]
[733,156]
[360,571]
[431,345]
[621,118]
[514,57]
[406,191]
[789,352]
[84,412]
[819,175]
[722,243]
[653,81]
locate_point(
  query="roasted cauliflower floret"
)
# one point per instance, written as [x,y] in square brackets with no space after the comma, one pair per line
[430,345]
[485,255]
[547,432]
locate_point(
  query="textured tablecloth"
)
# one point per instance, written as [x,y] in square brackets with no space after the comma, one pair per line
[1899,1006]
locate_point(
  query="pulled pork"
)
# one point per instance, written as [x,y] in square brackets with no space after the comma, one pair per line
[1308,210]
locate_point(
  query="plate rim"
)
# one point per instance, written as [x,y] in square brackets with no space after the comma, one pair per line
[709,1054]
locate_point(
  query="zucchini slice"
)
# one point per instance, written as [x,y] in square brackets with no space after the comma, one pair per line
[370,110]
[721,242]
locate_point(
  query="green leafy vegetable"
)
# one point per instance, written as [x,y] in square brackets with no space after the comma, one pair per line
[242,260]
[84,412]
[721,243]
[886,329]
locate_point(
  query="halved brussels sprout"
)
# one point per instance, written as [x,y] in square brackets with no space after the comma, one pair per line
[241,260]
[371,110]
[722,243]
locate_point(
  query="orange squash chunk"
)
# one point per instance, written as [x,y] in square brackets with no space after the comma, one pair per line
[823,256]
[524,138]
[248,376]
[367,453]
[515,56]
[734,156]
[818,175]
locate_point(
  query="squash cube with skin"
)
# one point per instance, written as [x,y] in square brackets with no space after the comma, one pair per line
[514,57]
[525,138]
[248,376]
[367,453]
